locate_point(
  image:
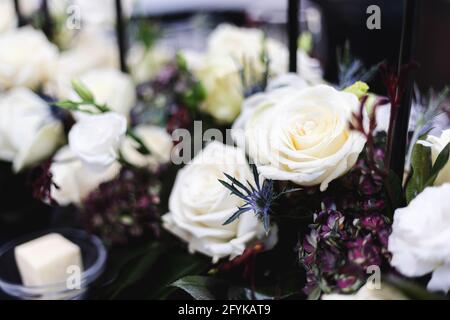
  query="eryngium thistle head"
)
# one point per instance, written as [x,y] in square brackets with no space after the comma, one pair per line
[339,249]
[125,207]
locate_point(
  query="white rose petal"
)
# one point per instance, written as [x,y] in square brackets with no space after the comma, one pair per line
[74,179]
[111,87]
[27,58]
[28,131]
[199,204]
[437,144]
[300,135]
[95,139]
[156,139]
[90,50]
[8,19]
[420,237]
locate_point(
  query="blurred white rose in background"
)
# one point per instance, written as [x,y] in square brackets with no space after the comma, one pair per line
[8,19]
[95,139]
[74,179]
[199,204]
[420,237]
[156,139]
[90,50]
[27,58]
[111,87]
[300,135]
[28,131]
[145,63]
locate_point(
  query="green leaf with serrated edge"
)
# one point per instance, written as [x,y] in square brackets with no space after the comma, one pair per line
[421,170]
[439,164]
[202,287]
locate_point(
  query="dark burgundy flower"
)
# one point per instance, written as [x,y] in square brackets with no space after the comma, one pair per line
[41,180]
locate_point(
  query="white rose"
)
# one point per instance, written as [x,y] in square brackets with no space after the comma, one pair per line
[199,204]
[102,13]
[111,87]
[95,139]
[437,144]
[300,135]
[91,50]
[221,80]
[144,63]
[420,237]
[245,46]
[8,19]
[28,131]
[74,179]
[386,292]
[26,58]
[156,139]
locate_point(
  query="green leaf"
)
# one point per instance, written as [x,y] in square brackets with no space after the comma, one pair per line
[67,104]
[83,92]
[359,89]
[202,287]
[137,269]
[421,170]
[411,290]
[439,164]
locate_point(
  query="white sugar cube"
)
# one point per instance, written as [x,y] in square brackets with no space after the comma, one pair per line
[45,260]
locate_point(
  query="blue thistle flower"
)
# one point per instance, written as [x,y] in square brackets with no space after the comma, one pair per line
[259,199]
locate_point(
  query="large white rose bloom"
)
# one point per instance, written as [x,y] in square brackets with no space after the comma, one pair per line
[90,50]
[111,87]
[156,139]
[420,237]
[8,19]
[74,179]
[27,58]
[437,144]
[300,135]
[386,292]
[199,204]
[95,139]
[28,131]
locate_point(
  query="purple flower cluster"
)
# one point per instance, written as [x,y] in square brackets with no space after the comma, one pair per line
[125,207]
[348,235]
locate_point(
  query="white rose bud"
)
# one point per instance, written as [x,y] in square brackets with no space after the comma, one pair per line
[74,179]
[300,135]
[156,139]
[420,237]
[27,58]
[95,139]
[28,131]
[110,87]
[199,204]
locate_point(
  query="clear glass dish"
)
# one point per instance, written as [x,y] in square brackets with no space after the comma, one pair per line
[93,255]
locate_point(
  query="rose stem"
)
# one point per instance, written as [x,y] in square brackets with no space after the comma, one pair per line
[401,121]
[293,29]
[48,25]
[20,18]
[120,33]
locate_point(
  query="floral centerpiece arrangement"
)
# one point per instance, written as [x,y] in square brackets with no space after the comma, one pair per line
[219,175]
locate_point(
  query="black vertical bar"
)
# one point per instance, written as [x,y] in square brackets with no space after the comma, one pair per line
[120,31]
[407,51]
[293,30]
[48,24]
[20,18]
